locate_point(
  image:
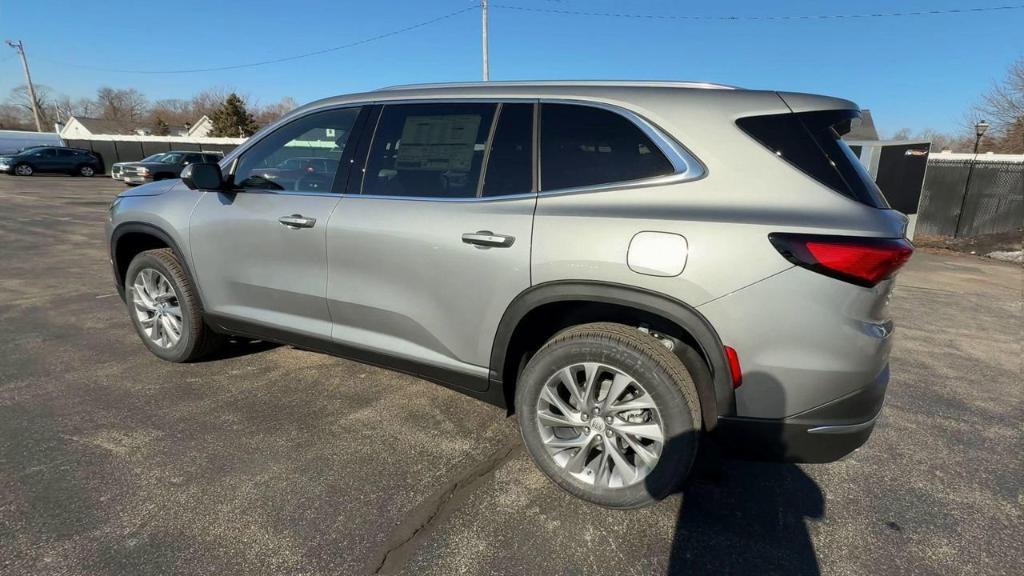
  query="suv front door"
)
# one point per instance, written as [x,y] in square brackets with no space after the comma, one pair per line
[259,249]
[432,239]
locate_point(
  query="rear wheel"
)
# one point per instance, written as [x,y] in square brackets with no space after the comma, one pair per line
[609,414]
[23,170]
[165,309]
[86,170]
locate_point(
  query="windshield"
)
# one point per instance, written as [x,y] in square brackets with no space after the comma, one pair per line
[155,157]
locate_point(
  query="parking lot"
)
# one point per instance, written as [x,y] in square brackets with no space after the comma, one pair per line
[275,460]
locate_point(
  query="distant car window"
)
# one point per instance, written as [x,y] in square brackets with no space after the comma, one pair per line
[172,158]
[154,157]
[510,161]
[428,150]
[302,155]
[193,158]
[211,158]
[585,146]
[45,153]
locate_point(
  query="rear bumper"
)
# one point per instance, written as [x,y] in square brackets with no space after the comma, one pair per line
[822,434]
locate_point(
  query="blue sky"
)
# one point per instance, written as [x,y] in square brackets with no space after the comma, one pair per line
[916,71]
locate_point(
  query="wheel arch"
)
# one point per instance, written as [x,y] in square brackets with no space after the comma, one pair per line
[543,310]
[130,238]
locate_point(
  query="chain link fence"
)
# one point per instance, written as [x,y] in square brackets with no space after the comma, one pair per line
[994,201]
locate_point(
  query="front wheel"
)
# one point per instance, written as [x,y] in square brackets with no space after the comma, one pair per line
[23,170]
[609,414]
[165,309]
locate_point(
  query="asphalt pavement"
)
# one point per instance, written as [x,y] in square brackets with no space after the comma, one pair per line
[272,460]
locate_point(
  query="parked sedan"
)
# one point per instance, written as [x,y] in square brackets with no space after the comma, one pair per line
[166,167]
[117,169]
[74,161]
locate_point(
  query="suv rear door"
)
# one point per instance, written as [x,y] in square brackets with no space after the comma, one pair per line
[259,248]
[431,241]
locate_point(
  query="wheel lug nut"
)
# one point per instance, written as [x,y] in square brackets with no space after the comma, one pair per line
[608,419]
[597,411]
[586,417]
[608,433]
[586,430]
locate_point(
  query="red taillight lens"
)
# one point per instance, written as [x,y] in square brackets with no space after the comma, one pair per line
[734,367]
[861,261]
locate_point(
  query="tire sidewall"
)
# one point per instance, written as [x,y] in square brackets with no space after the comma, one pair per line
[680,432]
[183,348]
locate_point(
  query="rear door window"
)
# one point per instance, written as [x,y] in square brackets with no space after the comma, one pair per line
[428,150]
[587,146]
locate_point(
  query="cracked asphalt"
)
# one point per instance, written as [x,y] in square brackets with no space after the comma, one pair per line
[272,460]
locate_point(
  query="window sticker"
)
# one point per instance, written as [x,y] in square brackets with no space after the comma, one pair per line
[438,143]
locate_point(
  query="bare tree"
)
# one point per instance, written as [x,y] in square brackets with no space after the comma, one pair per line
[21,99]
[1003,107]
[208,101]
[266,114]
[13,117]
[128,106]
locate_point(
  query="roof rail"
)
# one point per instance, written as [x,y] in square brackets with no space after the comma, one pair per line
[556,83]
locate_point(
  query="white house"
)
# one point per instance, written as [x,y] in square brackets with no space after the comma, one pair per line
[201,128]
[79,128]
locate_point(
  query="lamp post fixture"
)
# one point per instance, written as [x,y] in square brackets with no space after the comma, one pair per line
[979,131]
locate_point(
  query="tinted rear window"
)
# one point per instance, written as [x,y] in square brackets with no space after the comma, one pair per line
[584,146]
[812,142]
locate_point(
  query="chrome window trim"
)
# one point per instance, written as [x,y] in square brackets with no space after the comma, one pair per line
[686,167]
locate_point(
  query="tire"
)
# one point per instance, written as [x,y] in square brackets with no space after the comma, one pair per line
[645,373]
[86,170]
[23,170]
[157,304]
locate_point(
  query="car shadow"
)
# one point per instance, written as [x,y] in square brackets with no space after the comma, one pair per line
[237,347]
[740,517]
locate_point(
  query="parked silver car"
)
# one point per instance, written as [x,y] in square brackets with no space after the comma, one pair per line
[630,267]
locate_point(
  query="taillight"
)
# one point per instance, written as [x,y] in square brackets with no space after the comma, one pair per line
[860,261]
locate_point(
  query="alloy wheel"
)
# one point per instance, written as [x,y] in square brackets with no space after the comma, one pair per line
[600,425]
[156,307]
[23,170]
[86,171]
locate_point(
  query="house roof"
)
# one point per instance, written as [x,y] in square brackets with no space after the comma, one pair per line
[101,126]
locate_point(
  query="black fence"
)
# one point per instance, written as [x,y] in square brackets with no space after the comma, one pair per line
[113,151]
[994,198]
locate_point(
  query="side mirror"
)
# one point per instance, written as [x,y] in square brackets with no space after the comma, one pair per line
[203,176]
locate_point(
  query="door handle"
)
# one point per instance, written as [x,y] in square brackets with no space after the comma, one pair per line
[488,239]
[296,221]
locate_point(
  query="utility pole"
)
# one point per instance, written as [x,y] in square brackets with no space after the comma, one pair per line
[487,64]
[28,80]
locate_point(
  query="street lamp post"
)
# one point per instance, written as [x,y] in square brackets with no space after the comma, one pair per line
[979,131]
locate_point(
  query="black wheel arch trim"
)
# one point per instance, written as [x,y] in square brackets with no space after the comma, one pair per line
[716,396]
[155,231]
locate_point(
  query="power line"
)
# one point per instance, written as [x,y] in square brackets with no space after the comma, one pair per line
[276,60]
[697,17]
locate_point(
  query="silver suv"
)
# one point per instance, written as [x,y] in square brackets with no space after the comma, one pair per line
[632,268]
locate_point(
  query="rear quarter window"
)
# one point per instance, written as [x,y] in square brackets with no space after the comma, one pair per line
[586,146]
[812,143]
